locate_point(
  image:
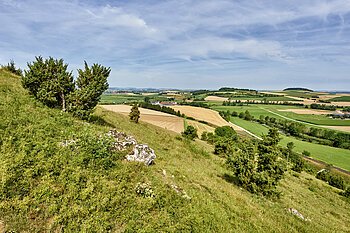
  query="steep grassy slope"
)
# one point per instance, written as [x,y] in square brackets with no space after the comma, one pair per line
[47,187]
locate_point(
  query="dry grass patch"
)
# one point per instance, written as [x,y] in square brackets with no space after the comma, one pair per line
[215,98]
[340,128]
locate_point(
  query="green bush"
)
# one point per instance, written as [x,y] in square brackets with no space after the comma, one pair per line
[259,168]
[190,132]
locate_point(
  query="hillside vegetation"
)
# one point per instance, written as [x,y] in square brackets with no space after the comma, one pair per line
[48,187]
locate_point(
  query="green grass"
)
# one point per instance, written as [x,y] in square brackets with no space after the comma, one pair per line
[260,109]
[49,188]
[336,156]
[341,99]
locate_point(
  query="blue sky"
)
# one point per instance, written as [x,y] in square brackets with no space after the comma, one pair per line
[188,43]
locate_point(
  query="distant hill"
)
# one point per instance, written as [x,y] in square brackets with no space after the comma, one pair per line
[297,89]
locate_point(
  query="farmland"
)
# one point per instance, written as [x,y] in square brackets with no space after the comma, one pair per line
[335,156]
[283,112]
[160,119]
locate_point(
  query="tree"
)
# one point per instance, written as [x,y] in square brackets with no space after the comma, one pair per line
[259,168]
[290,147]
[190,132]
[134,114]
[91,83]
[49,81]
[226,131]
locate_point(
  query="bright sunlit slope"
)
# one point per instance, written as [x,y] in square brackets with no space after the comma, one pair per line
[46,187]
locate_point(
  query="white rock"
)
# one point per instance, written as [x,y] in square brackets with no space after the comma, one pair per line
[142,153]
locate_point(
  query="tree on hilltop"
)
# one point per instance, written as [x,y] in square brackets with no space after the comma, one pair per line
[49,81]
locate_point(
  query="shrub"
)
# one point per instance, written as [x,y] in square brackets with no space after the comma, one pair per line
[259,168]
[190,132]
[336,181]
[226,131]
[134,114]
[223,145]
[11,67]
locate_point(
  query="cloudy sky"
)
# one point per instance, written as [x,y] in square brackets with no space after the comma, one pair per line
[187,43]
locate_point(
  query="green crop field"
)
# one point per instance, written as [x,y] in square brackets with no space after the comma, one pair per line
[336,156]
[273,111]
[341,99]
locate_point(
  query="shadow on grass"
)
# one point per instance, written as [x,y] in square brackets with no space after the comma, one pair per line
[98,120]
[230,178]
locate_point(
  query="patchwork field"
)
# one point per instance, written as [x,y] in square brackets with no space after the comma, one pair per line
[336,156]
[160,119]
[279,112]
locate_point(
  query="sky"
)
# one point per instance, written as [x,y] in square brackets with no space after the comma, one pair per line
[187,44]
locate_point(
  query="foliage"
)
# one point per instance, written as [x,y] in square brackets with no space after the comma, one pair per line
[260,167]
[323,107]
[91,83]
[49,81]
[134,114]
[190,132]
[11,67]
[331,179]
[160,108]
[226,131]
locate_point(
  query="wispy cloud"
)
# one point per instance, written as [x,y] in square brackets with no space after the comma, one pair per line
[187,43]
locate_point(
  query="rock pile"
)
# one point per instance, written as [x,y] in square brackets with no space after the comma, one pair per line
[140,153]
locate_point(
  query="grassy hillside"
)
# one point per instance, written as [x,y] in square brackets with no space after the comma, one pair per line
[46,187]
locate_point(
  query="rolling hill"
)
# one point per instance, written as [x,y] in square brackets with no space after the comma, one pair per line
[47,187]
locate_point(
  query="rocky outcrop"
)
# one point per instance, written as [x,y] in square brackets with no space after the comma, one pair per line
[142,153]
[121,140]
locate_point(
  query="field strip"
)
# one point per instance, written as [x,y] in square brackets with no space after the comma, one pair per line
[211,116]
[161,119]
[287,118]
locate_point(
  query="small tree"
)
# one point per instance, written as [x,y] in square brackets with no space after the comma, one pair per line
[49,81]
[190,132]
[134,114]
[91,83]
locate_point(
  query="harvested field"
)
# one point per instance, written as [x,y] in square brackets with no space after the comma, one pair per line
[340,128]
[345,104]
[215,98]
[202,114]
[161,119]
[207,115]
[200,127]
[307,111]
